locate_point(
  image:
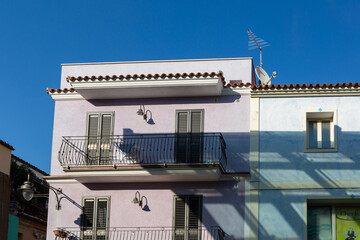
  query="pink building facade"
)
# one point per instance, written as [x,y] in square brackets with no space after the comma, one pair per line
[152,150]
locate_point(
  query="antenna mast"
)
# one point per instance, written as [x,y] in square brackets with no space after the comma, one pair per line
[255,42]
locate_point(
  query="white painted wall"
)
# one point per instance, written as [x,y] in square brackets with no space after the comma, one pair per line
[233,69]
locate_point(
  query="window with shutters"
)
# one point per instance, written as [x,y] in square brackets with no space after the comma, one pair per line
[187,217]
[189,136]
[320,131]
[95,218]
[99,131]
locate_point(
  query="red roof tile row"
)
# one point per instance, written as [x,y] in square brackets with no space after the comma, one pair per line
[28,164]
[5,144]
[237,84]
[306,86]
[59,90]
[163,75]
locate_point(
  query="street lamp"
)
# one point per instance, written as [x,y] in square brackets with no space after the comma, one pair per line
[27,190]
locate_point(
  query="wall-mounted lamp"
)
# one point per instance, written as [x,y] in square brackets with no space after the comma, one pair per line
[138,199]
[28,190]
[142,112]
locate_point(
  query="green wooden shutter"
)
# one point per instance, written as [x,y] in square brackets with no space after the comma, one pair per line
[105,146]
[93,145]
[193,217]
[195,140]
[179,221]
[196,119]
[187,215]
[95,218]
[182,124]
[182,137]
[88,219]
[101,219]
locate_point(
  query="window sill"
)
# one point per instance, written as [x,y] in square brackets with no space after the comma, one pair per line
[320,150]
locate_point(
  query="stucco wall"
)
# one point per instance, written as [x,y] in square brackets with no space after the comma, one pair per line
[233,69]
[282,140]
[223,204]
[283,213]
[289,175]
[228,115]
[5,160]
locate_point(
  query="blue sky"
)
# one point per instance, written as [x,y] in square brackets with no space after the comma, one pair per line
[311,41]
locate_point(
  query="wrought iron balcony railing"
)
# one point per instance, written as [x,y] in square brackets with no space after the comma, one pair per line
[141,233]
[145,149]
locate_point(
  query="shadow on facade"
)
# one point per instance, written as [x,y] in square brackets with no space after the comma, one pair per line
[291,176]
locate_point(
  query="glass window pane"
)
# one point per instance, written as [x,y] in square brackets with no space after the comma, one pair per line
[325,134]
[319,223]
[312,134]
[347,223]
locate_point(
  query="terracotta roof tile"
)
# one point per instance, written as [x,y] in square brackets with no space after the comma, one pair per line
[59,90]
[5,144]
[28,164]
[142,76]
[237,84]
[306,86]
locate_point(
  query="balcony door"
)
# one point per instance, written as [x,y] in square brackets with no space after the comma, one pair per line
[95,218]
[187,217]
[99,145]
[189,136]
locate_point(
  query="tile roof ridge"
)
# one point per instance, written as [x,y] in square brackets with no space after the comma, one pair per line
[5,144]
[29,164]
[306,86]
[156,75]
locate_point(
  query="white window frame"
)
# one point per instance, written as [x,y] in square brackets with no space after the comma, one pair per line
[319,117]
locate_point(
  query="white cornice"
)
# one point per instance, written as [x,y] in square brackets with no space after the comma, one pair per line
[326,92]
[159,61]
[63,96]
[245,90]
[68,96]
[166,82]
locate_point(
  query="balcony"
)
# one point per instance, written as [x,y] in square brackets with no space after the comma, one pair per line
[149,233]
[146,157]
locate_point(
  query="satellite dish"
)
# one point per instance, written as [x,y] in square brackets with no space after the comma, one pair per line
[255,42]
[263,76]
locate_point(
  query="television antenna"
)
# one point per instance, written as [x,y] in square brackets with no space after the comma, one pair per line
[256,42]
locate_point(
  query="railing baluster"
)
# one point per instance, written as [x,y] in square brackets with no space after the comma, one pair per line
[152,233]
[141,149]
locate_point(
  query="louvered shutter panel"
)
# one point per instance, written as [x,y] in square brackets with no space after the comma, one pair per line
[101,219]
[93,145]
[194,212]
[179,221]
[182,137]
[182,122]
[105,146]
[196,137]
[88,219]
[196,122]
[193,218]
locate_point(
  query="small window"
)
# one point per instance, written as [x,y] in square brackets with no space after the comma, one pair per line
[320,131]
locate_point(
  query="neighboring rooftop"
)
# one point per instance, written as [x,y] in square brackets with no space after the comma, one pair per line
[309,90]
[28,164]
[5,144]
[306,86]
